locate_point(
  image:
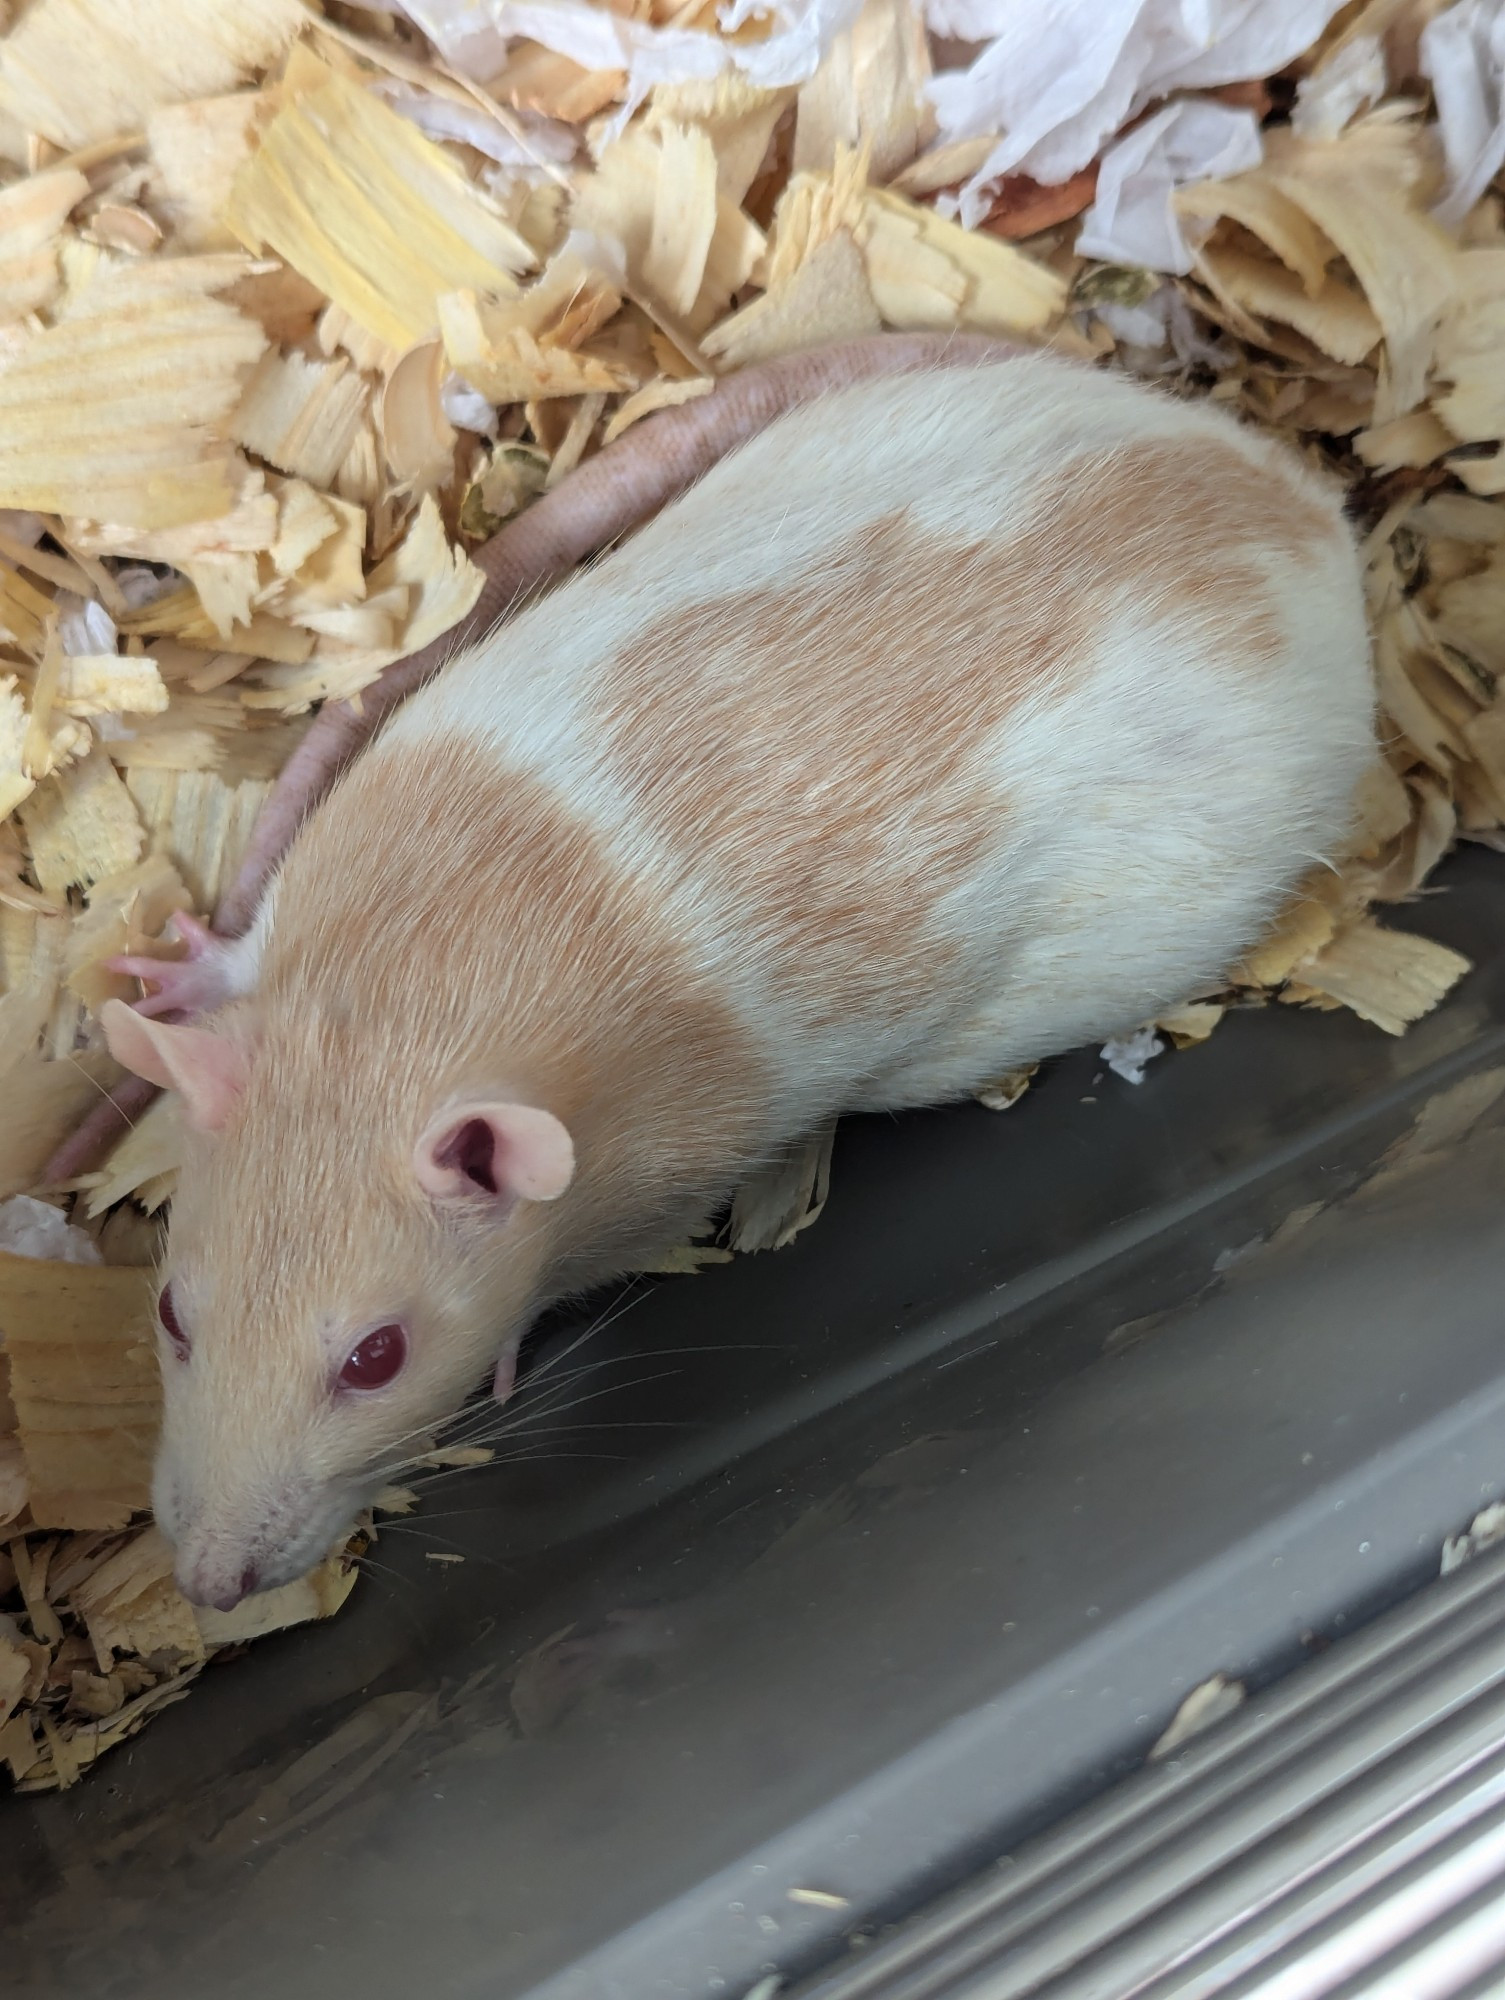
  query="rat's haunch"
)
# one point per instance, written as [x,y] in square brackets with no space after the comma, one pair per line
[959,717]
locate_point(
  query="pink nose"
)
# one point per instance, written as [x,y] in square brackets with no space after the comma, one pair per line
[203,1582]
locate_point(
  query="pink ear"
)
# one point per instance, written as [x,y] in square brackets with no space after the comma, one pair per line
[496,1152]
[208,1071]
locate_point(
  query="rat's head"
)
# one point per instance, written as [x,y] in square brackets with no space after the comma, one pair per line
[348,1256]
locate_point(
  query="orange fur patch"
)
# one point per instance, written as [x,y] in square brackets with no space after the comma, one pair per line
[482,939]
[1187,529]
[819,748]
[820,757]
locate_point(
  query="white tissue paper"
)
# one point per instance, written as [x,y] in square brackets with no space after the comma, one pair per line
[1054,82]
[472,36]
[140,585]
[33,1229]
[1463,58]
[1146,326]
[84,627]
[1057,82]
[1333,96]
[526,143]
[466,408]
[1131,221]
[1126,1055]
[1166,334]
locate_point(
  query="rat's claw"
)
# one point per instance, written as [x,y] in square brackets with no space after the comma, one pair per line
[195,933]
[171,979]
[193,985]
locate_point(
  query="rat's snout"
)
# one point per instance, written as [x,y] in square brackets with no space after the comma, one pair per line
[215,1575]
[232,1542]
[207,1582]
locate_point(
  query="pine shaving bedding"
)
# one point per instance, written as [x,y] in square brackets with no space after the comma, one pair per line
[295,309]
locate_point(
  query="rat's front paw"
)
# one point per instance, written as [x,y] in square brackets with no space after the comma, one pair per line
[197,984]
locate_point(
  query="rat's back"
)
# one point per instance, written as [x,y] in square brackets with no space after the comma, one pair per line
[954,719]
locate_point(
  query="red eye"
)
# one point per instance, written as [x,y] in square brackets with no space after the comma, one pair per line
[376,1360]
[167,1314]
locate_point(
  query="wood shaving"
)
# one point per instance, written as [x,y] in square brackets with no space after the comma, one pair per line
[356,200]
[32,213]
[1485,1531]
[293,316]
[302,416]
[1388,977]
[145,1164]
[80,71]
[81,1371]
[534,347]
[112,412]
[43,1096]
[1005,1091]
[775,1205]
[1193,1023]
[1208,1704]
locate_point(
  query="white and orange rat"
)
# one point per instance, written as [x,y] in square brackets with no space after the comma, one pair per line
[976,706]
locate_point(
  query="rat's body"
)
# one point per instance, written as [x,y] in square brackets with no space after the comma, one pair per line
[954,721]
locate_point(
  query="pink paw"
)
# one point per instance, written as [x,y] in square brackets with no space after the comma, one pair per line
[193,985]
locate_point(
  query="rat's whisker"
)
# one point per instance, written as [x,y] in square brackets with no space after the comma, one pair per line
[523,1418]
[535,1375]
[390,1523]
[611,1424]
[388,1577]
[498,1420]
[421,1534]
[519,1455]
[549,1457]
[471,1423]
[608,1316]
[528,1393]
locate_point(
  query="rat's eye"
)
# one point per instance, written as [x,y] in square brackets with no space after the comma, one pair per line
[375,1361]
[171,1325]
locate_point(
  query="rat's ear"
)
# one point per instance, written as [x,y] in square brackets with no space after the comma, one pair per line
[495,1152]
[208,1071]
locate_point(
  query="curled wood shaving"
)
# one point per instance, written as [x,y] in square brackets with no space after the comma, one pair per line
[359,202]
[533,347]
[1386,976]
[77,71]
[121,410]
[145,1163]
[83,1383]
[1005,1091]
[300,415]
[32,213]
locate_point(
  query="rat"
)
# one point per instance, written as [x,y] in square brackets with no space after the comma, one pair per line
[958,716]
